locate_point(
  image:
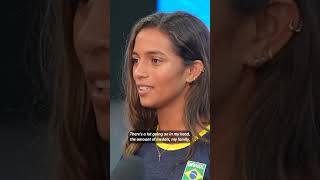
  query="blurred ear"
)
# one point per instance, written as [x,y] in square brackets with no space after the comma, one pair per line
[194,70]
[274,27]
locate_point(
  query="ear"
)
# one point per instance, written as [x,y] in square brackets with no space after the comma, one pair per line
[194,70]
[274,27]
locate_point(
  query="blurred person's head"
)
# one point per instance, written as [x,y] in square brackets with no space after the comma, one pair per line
[166,62]
[270,49]
[75,43]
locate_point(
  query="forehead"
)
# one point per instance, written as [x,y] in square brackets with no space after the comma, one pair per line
[152,39]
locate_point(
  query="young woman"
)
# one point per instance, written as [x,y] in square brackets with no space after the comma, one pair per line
[167,89]
[76,45]
[266,91]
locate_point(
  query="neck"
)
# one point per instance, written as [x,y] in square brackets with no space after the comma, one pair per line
[171,116]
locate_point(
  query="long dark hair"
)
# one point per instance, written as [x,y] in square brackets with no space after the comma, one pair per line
[282,136]
[80,152]
[190,39]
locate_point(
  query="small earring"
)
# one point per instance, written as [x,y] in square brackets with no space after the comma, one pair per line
[203,70]
[191,80]
[296,28]
[260,60]
[257,61]
[268,54]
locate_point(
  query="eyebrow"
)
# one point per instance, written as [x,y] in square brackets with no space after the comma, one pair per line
[150,53]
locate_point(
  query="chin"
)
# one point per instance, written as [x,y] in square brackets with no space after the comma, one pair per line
[104,136]
[102,121]
[147,104]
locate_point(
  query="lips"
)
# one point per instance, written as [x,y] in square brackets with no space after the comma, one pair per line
[144,89]
[102,84]
[99,88]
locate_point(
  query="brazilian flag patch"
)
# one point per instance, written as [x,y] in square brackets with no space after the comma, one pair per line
[194,171]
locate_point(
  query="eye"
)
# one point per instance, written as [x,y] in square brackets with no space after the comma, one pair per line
[156,60]
[134,60]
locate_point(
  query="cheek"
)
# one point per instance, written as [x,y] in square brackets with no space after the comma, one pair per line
[226,65]
[225,77]
[171,80]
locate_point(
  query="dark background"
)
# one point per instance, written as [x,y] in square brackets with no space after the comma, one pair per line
[23,122]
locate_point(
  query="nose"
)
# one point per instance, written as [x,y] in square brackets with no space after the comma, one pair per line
[140,70]
[94,33]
